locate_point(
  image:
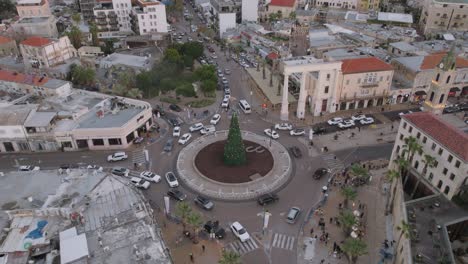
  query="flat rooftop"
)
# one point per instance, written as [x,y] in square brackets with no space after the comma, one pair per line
[33,20]
[95,118]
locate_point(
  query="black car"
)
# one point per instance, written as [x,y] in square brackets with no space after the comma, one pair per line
[296,151]
[174,122]
[451,109]
[319,173]
[68,166]
[267,199]
[319,130]
[119,171]
[204,203]
[463,107]
[176,195]
[175,107]
[158,109]
[213,227]
[168,146]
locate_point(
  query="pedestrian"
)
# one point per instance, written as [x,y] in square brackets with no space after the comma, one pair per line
[331,220]
[203,248]
[311,231]
[322,261]
[392,127]
[135,165]
[326,236]
[339,206]
[191,257]
[359,129]
[334,246]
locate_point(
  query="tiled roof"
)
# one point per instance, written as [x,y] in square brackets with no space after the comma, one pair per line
[4,40]
[445,134]
[10,76]
[431,61]
[287,3]
[358,65]
[36,41]
[273,56]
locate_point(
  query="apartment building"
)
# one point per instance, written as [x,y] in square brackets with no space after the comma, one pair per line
[345,4]
[87,9]
[33,8]
[444,15]
[285,7]
[8,47]
[225,6]
[149,17]
[113,18]
[37,26]
[41,52]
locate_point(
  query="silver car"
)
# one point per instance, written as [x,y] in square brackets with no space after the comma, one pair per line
[168,146]
[293,215]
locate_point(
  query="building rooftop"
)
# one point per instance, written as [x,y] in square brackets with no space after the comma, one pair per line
[404,46]
[359,65]
[94,118]
[431,61]
[125,59]
[11,76]
[144,3]
[29,2]
[463,2]
[442,132]
[395,17]
[15,115]
[286,3]
[33,20]
[40,119]
[4,40]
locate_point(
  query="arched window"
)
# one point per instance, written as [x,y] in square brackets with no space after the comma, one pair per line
[446,190]
[416,165]
[437,77]
[431,98]
[441,98]
[448,79]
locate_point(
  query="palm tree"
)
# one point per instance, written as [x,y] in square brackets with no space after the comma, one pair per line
[359,171]
[194,220]
[183,210]
[403,165]
[230,257]
[354,248]
[410,148]
[347,220]
[405,230]
[349,194]
[429,162]
[392,176]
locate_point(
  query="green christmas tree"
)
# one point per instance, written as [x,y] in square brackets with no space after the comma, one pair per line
[234,150]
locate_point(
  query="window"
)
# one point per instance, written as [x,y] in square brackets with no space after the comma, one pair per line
[452,176]
[445,171]
[397,150]
[450,158]
[438,14]
[424,139]
[370,78]
[326,89]
[433,146]
[404,125]
[440,151]
[410,129]
[431,176]
[416,165]
[115,141]
[446,190]
[436,163]
[431,98]
[418,135]
[67,144]
[98,142]
[328,76]
[457,164]
[439,185]
[347,82]
[359,80]
[381,78]
[388,77]
[401,137]
[441,99]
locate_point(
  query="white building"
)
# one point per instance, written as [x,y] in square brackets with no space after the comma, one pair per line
[249,10]
[226,21]
[40,52]
[113,18]
[149,16]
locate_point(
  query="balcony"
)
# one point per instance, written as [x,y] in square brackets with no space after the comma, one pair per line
[113,22]
[101,22]
[114,28]
[112,15]
[101,15]
[370,85]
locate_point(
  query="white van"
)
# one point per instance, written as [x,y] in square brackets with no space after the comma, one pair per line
[208,130]
[245,106]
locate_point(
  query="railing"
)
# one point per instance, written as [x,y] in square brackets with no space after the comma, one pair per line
[367,85]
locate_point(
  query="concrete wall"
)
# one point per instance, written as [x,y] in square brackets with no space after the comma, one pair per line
[250,10]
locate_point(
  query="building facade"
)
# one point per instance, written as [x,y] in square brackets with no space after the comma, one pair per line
[41,52]
[250,10]
[37,26]
[8,47]
[285,7]
[344,4]
[87,9]
[149,17]
[33,8]
[444,15]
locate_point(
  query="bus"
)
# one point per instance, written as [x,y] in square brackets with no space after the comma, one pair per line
[245,106]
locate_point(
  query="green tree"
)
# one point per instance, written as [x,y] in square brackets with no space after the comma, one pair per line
[206,72]
[76,17]
[347,221]
[349,194]
[359,171]
[234,150]
[292,15]
[405,230]
[119,89]
[82,75]
[126,79]
[108,47]
[193,49]
[230,257]
[93,29]
[354,248]
[392,176]
[411,147]
[183,211]
[75,36]
[7,9]
[208,86]
[194,220]
[134,93]
[429,162]
[172,55]
[144,82]
[188,61]
[185,89]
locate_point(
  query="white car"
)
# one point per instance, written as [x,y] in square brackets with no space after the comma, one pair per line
[195,127]
[335,121]
[118,156]
[271,133]
[185,138]
[405,113]
[171,179]
[283,126]
[346,124]
[176,131]
[28,168]
[227,96]
[140,183]
[220,74]
[358,117]
[240,232]
[225,103]
[215,119]
[150,176]
[367,121]
[297,132]
[214,56]
[208,130]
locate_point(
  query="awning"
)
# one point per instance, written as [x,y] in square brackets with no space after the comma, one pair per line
[455,89]
[420,93]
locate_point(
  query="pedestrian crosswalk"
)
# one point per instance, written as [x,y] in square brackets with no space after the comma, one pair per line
[242,247]
[283,241]
[138,157]
[333,163]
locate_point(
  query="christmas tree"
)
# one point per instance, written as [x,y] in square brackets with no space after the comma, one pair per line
[234,150]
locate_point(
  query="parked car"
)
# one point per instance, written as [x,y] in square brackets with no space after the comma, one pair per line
[405,112]
[68,166]
[171,179]
[296,151]
[168,146]
[118,156]
[176,195]
[175,108]
[208,130]
[225,103]
[176,131]
[319,173]
[174,122]
[451,109]
[150,176]
[215,119]
[346,124]
[28,168]
[267,199]
[227,71]
[195,127]
[204,203]
[319,130]
[239,231]
[366,121]
[140,183]
[120,171]
[335,121]
[283,126]
[293,215]
[297,132]
[138,140]
[271,133]
[357,117]
[185,138]
[213,227]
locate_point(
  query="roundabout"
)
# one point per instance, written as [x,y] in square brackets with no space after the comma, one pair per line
[200,167]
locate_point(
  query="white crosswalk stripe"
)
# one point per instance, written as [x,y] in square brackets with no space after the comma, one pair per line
[138,156]
[334,164]
[242,247]
[283,241]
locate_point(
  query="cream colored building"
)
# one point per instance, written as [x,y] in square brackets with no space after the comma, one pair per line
[41,52]
[33,8]
[443,15]
[285,7]
[45,26]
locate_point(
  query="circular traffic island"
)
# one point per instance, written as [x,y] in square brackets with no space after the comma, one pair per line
[209,162]
[200,167]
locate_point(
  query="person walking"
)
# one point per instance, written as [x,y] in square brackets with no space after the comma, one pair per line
[203,248]
[191,257]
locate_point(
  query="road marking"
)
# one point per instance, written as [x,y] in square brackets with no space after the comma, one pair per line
[283,241]
[243,247]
